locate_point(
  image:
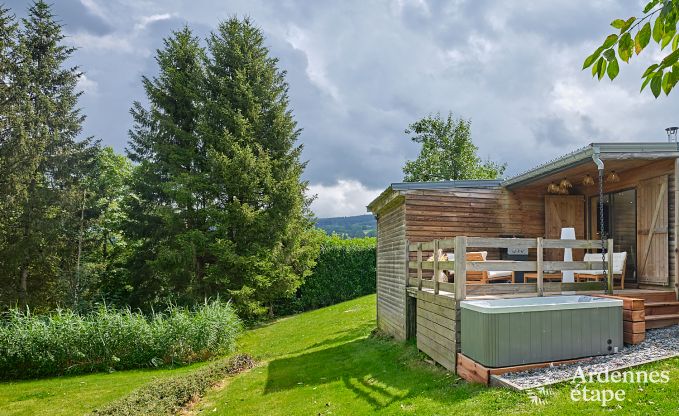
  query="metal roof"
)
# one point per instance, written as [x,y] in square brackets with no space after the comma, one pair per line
[639,150]
[470,183]
[584,154]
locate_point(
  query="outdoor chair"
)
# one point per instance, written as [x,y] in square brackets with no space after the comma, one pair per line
[483,277]
[619,261]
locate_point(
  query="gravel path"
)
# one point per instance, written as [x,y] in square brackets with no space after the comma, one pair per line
[659,344]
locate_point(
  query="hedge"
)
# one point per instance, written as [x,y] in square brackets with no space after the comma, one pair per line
[170,396]
[345,269]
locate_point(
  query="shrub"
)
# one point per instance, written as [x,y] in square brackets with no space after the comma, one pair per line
[168,396]
[64,342]
[345,269]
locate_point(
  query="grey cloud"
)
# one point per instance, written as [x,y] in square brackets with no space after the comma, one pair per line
[364,70]
[72,14]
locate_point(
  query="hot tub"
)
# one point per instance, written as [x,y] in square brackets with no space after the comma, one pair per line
[507,332]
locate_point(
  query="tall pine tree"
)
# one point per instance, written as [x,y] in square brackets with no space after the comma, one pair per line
[168,209]
[8,32]
[43,162]
[264,244]
[218,207]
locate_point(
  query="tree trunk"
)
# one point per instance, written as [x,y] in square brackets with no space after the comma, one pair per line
[23,278]
[23,287]
[76,285]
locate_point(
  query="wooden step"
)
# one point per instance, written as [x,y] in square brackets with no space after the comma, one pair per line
[661,308]
[650,296]
[661,321]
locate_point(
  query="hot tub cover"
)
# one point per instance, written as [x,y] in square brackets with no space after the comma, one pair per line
[532,304]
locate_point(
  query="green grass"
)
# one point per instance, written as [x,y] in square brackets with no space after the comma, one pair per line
[325,362]
[75,395]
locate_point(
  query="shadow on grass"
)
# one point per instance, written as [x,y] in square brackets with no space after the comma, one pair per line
[379,372]
[341,337]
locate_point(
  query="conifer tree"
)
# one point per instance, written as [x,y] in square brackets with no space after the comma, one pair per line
[264,245]
[218,207]
[167,214]
[42,160]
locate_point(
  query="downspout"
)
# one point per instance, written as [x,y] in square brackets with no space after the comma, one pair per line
[597,159]
[600,167]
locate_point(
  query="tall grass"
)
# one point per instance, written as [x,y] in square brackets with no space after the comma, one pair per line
[64,342]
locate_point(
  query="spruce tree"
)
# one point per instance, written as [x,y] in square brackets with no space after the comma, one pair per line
[264,248]
[218,207]
[8,32]
[167,213]
[43,162]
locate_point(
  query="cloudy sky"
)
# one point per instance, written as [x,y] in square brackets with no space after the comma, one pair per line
[360,71]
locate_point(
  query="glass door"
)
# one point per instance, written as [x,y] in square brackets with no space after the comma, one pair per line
[620,223]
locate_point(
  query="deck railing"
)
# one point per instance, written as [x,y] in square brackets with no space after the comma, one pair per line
[460,265]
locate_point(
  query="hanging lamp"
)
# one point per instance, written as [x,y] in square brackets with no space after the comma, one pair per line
[613,177]
[588,180]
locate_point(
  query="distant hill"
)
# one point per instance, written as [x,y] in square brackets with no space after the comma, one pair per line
[349,227]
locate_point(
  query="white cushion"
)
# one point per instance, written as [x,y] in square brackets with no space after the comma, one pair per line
[499,274]
[618,262]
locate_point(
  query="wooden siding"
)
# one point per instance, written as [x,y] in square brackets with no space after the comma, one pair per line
[477,212]
[391,279]
[630,179]
[437,328]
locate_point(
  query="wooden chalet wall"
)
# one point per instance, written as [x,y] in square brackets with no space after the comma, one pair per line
[631,179]
[391,279]
[474,212]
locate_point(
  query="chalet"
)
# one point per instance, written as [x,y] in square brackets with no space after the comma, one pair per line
[502,239]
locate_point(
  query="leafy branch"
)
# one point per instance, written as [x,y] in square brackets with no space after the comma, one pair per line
[661,76]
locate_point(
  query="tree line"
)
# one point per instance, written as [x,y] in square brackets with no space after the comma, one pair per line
[208,200]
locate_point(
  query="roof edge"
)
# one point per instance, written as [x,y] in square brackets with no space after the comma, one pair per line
[581,155]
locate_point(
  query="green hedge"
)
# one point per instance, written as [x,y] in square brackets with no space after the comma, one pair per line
[169,396]
[64,342]
[345,269]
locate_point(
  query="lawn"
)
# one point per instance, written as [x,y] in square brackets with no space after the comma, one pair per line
[326,362]
[75,395]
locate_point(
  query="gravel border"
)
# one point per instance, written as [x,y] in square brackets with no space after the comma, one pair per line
[659,344]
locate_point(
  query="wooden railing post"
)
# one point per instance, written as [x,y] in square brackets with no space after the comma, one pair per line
[540,272]
[610,251]
[460,268]
[419,266]
[436,267]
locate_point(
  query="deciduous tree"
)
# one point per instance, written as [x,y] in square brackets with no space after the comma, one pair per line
[657,23]
[447,152]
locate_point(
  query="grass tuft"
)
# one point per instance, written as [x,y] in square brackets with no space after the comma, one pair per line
[64,342]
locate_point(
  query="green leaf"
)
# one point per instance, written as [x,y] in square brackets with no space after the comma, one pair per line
[609,54]
[613,69]
[610,41]
[675,42]
[601,70]
[656,84]
[667,38]
[649,70]
[670,59]
[642,38]
[658,30]
[674,78]
[595,67]
[625,46]
[650,5]
[627,24]
[618,23]
[590,59]
[666,83]
[645,83]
